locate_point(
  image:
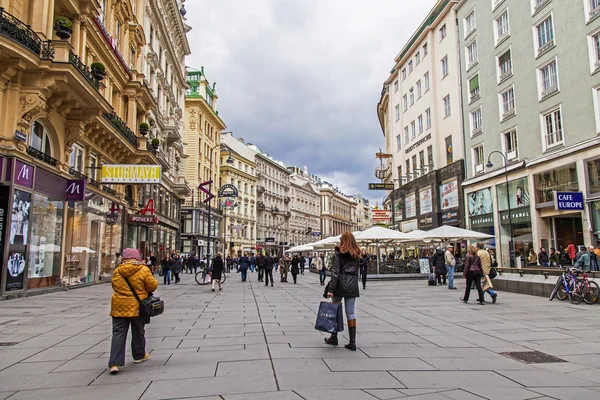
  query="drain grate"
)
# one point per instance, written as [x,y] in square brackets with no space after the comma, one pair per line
[533,357]
[7,344]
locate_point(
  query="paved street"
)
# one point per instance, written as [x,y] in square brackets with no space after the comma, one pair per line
[256,342]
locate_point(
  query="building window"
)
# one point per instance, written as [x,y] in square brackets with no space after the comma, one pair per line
[93,166]
[398,142]
[403,73]
[502,27]
[545,35]
[595,50]
[424,50]
[474,88]
[410,66]
[428,118]
[478,159]
[426,79]
[430,157]
[399,172]
[449,150]
[407,167]
[476,122]
[548,79]
[419,91]
[472,55]
[40,138]
[405,102]
[396,86]
[418,58]
[470,23]
[413,130]
[406,138]
[505,66]
[447,106]
[414,163]
[411,92]
[117,34]
[507,99]
[397,112]
[420,123]
[443,32]
[510,145]
[151,34]
[76,158]
[421,159]
[553,133]
[444,66]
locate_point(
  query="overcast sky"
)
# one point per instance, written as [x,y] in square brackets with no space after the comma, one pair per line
[301,78]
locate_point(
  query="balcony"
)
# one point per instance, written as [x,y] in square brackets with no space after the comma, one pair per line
[476,131]
[77,174]
[83,70]
[286,199]
[595,12]
[35,153]
[18,32]
[260,189]
[122,127]
[111,42]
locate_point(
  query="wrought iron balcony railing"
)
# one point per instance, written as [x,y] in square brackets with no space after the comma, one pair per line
[77,174]
[32,151]
[83,69]
[122,127]
[18,32]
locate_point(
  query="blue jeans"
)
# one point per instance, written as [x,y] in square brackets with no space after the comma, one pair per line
[275,266]
[450,271]
[167,277]
[244,273]
[348,305]
[322,275]
[544,264]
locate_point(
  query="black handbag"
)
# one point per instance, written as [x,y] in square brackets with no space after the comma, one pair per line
[149,307]
[493,273]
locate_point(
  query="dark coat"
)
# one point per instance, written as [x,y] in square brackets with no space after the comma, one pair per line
[260,261]
[217,268]
[473,265]
[543,257]
[295,270]
[244,263]
[439,262]
[364,264]
[269,262]
[344,275]
[178,266]
[302,260]
[166,265]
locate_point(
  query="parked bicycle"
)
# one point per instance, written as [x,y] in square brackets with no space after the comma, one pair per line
[577,290]
[565,284]
[203,277]
[585,290]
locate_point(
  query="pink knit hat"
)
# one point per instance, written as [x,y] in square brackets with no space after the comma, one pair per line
[131,253]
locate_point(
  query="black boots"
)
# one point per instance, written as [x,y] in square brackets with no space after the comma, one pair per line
[332,340]
[352,332]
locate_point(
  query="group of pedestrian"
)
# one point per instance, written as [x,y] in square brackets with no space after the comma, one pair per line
[478,266]
[171,266]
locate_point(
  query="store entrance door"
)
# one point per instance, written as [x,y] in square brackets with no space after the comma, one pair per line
[567,230]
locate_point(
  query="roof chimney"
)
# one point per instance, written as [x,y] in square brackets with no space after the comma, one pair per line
[241,140]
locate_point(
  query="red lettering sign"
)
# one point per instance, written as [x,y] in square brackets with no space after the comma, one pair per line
[149,209]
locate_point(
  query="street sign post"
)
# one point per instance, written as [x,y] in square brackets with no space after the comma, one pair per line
[381,186]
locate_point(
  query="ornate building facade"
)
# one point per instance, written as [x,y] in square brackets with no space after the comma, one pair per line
[305,207]
[338,211]
[203,128]
[363,213]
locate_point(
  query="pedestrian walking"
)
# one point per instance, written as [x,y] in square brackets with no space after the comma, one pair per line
[364,266]
[125,309]
[153,262]
[310,260]
[318,263]
[275,262]
[486,267]
[260,264]
[584,261]
[244,265]
[284,267]
[450,262]
[344,284]
[302,263]
[268,269]
[593,259]
[473,273]
[217,271]
[177,268]
[167,266]
[252,262]
[229,262]
[295,267]
[439,264]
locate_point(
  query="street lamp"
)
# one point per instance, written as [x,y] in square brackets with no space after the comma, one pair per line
[229,161]
[511,244]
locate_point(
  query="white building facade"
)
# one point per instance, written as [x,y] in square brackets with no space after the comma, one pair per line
[305,206]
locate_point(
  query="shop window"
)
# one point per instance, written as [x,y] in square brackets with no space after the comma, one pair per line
[40,138]
[76,158]
[562,180]
[93,166]
[594,176]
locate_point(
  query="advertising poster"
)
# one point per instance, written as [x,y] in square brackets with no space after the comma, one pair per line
[425,200]
[19,227]
[3,217]
[480,202]
[410,205]
[449,195]
[518,191]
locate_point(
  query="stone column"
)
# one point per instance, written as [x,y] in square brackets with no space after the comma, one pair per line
[132,114]
[76,36]
[586,215]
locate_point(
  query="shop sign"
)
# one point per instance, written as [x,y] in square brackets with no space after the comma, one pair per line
[449,217]
[381,186]
[270,240]
[410,204]
[131,173]
[143,219]
[482,221]
[518,216]
[425,200]
[380,215]
[283,243]
[22,136]
[228,190]
[409,226]
[316,233]
[111,219]
[149,208]
[18,240]
[425,222]
[568,201]
[449,194]
[24,174]
[75,190]
[417,144]
[480,202]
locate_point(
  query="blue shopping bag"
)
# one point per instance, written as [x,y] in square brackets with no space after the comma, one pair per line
[330,317]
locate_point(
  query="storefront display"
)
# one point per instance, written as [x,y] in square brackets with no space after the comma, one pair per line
[19,228]
[563,179]
[480,207]
[520,219]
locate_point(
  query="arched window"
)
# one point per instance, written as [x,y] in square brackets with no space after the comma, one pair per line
[40,138]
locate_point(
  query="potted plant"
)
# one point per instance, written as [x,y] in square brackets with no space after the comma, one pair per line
[99,70]
[144,128]
[63,27]
[155,143]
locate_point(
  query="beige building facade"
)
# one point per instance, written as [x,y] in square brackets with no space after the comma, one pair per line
[363,213]
[338,211]
[305,207]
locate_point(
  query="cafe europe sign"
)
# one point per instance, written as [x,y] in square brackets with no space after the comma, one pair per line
[131,173]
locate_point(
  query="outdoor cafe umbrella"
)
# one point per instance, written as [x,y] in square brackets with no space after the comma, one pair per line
[379,235]
[447,233]
[301,248]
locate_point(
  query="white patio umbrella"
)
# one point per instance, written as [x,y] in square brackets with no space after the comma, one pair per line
[379,235]
[301,248]
[332,241]
[446,233]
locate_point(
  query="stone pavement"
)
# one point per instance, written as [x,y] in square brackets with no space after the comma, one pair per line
[256,342]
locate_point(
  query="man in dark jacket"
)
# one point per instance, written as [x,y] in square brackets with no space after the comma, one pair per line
[217,271]
[268,269]
[260,264]
[543,257]
[295,270]
[302,264]
[439,263]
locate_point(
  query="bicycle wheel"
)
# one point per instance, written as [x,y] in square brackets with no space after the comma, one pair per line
[199,278]
[554,291]
[561,293]
[223,277]
[576,290]
[591,293]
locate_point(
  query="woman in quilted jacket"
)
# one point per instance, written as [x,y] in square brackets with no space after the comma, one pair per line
[344,284]
[125,309]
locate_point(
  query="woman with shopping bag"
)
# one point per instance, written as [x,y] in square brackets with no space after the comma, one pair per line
[344,284]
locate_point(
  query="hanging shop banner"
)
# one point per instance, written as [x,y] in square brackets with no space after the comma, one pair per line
[480,202]
[449,194]
[410,204]
[131,173]
[569,201]
[228,190]
[425,200]
[19,227]
[23,174]
[75,190]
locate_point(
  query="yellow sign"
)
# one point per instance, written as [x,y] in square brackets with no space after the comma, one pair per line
[126,173]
